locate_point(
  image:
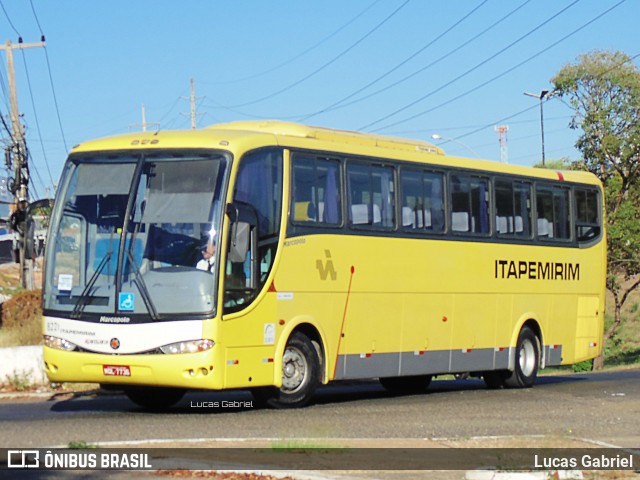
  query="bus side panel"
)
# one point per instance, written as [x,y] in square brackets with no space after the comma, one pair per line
[426,334]
[372,335]
[474,320]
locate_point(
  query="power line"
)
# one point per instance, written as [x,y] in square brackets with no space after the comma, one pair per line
[301,54]
[464,74]
[325,65]
[338,103]
[53,90]
[535,106]
[35,116]
[9,20]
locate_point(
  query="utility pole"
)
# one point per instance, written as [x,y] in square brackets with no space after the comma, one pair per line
[144,123]
[19,159]
[192,100]
[540,96]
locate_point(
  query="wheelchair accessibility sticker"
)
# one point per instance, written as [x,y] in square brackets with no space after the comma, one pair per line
[126,301]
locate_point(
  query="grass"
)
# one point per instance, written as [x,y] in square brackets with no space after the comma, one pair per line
[80,444]
[19,381]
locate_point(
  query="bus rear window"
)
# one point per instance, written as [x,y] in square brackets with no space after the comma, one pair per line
[587,215]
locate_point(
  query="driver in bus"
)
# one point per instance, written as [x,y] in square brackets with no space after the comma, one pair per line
[208,257]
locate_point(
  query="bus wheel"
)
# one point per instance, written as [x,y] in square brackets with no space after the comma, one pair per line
[154,398]
[495,379]
[527,360]
[300,376]
[413,383]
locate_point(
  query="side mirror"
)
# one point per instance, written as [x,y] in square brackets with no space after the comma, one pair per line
[243,220]
[240,237]
[29,238]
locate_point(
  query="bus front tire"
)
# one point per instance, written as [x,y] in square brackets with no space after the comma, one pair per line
[154,398]
[527,360]
[300,376]
[413,383]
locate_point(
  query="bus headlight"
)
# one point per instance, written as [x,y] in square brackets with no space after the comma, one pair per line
[191,346]
[59,343]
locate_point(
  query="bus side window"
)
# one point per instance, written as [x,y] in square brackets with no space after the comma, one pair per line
[316,191]
[553,219]
[422,197]
[470,204]
[513,208]
[371,196]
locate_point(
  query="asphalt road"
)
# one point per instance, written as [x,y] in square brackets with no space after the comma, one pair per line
[602,407]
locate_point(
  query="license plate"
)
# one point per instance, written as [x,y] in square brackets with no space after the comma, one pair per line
[116,370]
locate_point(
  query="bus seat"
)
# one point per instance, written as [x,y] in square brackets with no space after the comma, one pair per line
[360,214]
[377,216]
[321,211]
[300,210]
[427,217]
[424,218]
[519,226]
[408,217]
[501,225]
[460,221]
[543,227]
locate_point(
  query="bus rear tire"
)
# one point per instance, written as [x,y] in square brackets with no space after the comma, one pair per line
[527,360]
[154,398]
[300,376]
[413,383]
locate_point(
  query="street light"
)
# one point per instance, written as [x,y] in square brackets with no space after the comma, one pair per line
[540,96]
[437,136]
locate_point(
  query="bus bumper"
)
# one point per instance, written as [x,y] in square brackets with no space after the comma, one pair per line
[191,371]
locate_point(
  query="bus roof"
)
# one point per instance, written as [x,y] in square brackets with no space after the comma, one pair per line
[241,135]
[290,129]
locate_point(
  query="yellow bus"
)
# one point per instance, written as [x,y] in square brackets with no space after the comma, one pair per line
[277,257]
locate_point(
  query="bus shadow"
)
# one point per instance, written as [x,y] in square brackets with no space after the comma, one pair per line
[235,401]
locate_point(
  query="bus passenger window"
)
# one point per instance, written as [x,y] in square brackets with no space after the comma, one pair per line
[422,197]
[469,204]
[513,208]
[371,196]
[552,204]
[316,191]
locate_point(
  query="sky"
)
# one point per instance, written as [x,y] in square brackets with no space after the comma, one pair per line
[409,68]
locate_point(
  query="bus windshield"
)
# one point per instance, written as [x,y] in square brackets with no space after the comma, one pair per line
[129,234]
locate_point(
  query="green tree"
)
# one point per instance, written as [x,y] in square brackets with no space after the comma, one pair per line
[563,163]
[603,88]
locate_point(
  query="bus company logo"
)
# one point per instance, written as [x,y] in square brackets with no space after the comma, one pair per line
[23,459]
[534,270]
[326,269]
[114,343]
[107,319]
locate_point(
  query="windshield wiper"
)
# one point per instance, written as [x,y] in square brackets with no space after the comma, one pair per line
[83,299]
[142,287]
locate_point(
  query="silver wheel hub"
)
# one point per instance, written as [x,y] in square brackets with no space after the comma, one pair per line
[294,369]
[527,358]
